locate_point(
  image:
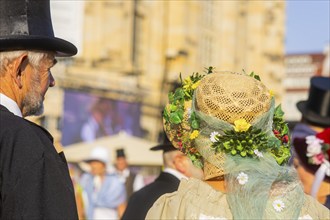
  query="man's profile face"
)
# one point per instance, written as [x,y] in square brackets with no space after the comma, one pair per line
[38,80]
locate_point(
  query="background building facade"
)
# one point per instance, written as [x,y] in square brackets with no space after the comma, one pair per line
[133,51]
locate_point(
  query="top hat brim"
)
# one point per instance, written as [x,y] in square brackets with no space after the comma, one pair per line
[311,116]
[164,147]
[61,47]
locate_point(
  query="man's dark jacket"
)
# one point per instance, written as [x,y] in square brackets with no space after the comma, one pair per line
[141,201]
[34,178]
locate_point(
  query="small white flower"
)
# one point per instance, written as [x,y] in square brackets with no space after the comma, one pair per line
[278,205]
[312,139]
[314,145]
[213,136]
[314,148]
[258,153]
[305,217]
[242,178]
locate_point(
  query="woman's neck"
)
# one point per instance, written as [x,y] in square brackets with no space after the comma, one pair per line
[217,185]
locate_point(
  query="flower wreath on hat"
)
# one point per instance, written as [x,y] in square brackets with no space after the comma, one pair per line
[182,126]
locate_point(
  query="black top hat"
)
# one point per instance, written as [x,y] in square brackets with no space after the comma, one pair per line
[166,146]
[27,25]
[316,109]
[120,153]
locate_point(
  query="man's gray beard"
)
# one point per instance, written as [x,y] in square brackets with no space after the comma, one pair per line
[33,104]
[33,101]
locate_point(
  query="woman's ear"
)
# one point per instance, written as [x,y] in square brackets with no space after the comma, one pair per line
[18,67]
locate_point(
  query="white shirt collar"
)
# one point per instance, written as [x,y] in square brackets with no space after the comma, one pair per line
[175,173]
[125,173]
[10,104]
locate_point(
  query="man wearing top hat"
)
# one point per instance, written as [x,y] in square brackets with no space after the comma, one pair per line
[133,181]
[34,181]
[176,166]
[315,122]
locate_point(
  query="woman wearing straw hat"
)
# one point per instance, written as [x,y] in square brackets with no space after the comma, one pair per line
[34,181]
[227,122]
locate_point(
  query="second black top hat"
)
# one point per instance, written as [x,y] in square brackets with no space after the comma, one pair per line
[120,153]
[316,109]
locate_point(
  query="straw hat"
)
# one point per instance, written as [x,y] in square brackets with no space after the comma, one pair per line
[217,98]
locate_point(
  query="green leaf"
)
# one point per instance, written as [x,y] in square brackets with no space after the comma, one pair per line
[278,111]
[210,70]
[226,145]
[166,115]
[171,97]
[175,118]
[179,94]
[198,163]
[173,108]
[257,77]
[194,124]
[285,130]
[180,112]
[252,74]
[243,153]
[239,147]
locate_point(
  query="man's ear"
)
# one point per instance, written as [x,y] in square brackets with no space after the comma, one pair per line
[18,66]
[180,163]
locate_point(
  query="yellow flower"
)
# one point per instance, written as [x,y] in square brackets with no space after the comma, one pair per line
[271,93]
[241,125]
[187,83]
[194,134]
[195,85]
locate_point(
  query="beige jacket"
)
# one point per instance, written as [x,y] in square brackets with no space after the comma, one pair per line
[195,199]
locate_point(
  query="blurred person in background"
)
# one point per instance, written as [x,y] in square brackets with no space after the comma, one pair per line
[177,166]
[79,195]
[133,181]
[35,181]
[311,140]
[99,123]
[106,195]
